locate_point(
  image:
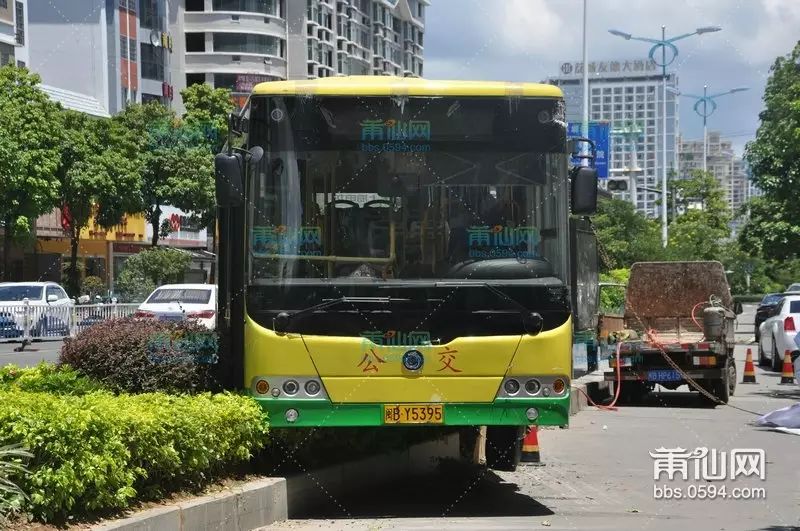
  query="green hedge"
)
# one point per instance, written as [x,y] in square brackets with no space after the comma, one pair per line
[48,378]
[101,452]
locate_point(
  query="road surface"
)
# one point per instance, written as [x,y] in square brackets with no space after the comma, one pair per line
[598,474]
[32,355]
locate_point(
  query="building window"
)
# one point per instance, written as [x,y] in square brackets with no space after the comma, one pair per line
[130,5]
[152,62]
[195,42]
[195,79]
[3,4]
[150,17]
[20,23]
[195,5]
[266,7]
[127,48]
[246,43]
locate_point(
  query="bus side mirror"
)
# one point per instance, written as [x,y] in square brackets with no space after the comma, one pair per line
[584,191]
[737,308]
[229,179]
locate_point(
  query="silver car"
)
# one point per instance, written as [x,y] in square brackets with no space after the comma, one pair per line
[779,332]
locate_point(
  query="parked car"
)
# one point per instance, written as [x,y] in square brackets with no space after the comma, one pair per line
[47,312]
[765,310]
[794,288]
[778,332]
[176,302]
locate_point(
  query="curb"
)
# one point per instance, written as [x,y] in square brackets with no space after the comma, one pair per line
[255,504]
[265,501]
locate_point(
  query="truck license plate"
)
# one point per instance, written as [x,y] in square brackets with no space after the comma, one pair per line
[413,414]
[665,375]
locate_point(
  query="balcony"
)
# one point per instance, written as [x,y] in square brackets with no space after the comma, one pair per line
[221,21]
[223,63]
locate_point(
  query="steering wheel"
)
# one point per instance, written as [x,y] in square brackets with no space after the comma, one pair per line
[335,202]
[375,202]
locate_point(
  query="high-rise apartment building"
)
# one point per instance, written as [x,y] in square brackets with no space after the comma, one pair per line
[97,56]
[13,26]
[731,171]
[236,44]
[628,95]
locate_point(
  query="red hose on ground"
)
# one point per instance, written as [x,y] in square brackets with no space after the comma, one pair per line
[609,407]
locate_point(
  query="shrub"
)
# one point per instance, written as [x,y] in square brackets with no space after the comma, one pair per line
[92,286]
[142,356]
[47,377]
[142,272]
[100,452]
[11,468]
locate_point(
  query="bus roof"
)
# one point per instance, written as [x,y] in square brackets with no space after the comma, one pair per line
[403,86]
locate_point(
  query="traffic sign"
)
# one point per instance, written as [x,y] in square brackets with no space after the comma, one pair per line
[599,133]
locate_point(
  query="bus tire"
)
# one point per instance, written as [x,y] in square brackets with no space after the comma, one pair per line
[504,447]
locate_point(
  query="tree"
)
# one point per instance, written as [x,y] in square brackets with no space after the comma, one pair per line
[208,109]
[178,169]
[98,176]
[625,235]
[700,231]
[145,271]
[29,154]
[774,158]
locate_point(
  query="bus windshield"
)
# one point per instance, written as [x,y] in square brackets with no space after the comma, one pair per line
[381,188]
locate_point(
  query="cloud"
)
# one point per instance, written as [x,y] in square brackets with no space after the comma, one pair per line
[524,40]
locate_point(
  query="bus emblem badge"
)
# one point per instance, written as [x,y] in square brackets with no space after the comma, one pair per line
[413,360]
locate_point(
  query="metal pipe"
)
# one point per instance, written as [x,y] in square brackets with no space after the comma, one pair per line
[664,228]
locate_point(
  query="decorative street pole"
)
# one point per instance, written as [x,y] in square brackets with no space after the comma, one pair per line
[705,106]
[663,44]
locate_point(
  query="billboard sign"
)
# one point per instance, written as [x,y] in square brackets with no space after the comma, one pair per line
[599,133]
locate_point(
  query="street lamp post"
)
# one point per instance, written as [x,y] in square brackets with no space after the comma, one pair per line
[705,106]
[664,44]
[585,121]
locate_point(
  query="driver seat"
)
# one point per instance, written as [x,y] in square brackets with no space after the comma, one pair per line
[377,228]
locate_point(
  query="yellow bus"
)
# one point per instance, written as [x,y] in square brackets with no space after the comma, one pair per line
[397,251]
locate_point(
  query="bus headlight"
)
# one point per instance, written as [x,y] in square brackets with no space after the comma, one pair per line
[312,387]
[291,415]
[290,387]
[559,386]
[532,387]
[511,386]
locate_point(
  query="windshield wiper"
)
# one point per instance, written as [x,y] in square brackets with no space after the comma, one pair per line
[281,321]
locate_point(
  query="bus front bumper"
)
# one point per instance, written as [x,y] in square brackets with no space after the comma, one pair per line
[501,412]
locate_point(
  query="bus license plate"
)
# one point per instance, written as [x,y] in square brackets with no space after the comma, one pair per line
[668,375]
[413,414]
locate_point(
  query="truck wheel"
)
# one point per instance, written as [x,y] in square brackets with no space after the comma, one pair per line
[722,388]
[504,447]
[731,376]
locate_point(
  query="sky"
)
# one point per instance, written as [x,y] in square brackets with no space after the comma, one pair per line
[526,40]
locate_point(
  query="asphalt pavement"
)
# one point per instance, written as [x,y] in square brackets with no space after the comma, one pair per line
[598,474]
[31,355]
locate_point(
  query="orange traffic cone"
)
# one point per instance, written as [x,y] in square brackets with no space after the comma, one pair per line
[749,370]
[787,374]
[530,448]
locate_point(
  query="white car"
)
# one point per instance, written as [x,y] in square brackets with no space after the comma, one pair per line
[177,302]
[778,333]
[43,307]
[794,288]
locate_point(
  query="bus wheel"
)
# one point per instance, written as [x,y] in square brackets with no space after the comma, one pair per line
[504,447]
